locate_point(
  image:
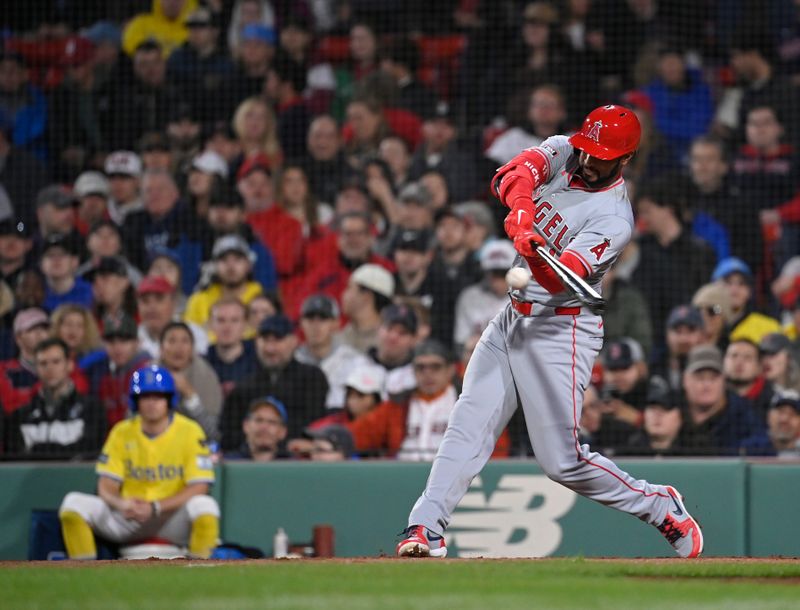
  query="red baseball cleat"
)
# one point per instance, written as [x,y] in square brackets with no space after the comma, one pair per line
[419,541]
[680,528]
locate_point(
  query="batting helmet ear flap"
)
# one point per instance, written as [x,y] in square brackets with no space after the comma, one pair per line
[152,379]
[608,132]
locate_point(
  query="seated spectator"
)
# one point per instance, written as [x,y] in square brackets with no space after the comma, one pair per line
[232,358]
[166,222]
[23,107]
[110,377]
[22,175]
[255,54]
[75,326]
[199,395]
[624,386]
[412,253]
[301,387]
[124,171]
[713,303]
[363,392]
[718,422]
[412,430]
[480,224]
[18,377]
[157,303]
[232,277]
[744,375]
[684,332]
[55,216]
[331,444]
[92,191]
[59,264]
[113,293]
[15,246]
[284,87]
[545,116]
[260,308]
[324,160]
[745,322]
[661,425]
[783,421]
[130,506]
[481,302]
[264,430]
[369,289]
[226,217]
[397,336]
[626,313]
[415,211]
[105,240]
[778,365]
[58,423]
[206,172]
[319,321]
[395,152]
[400,60]
[166,263]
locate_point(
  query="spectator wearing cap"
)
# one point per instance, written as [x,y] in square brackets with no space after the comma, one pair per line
[332,443]
[284,87]
[439,150]
[624,384]
[254,55]
[59,423]
[363,388]
[783,424]
[226,217]
[779,363]
[165,262]
[319,321]
[207,170]
[400,60]
[166,24]
[265,429]
[415,210]
[16,243]
[684,331]
[157,303]
[18,375]
[412,253]
[254,183]
[479,303]
[301,387]
[369,289]
[745,322]
[713,303]
[413,429]
[21,174]
[201,69]
[92,192]
[23,107]
[166,221]
[718,422]
[480,223]
[112,288]
[156,149]
[397,336]
[145,102]
[354,248]
[673,263]
[75,111]
[232,272]
[199,391]
[55,214]
[59,265]
[323,158]
[232,357]
[661,423]
[104,240]
[744,375]
[109,377]
[124,171]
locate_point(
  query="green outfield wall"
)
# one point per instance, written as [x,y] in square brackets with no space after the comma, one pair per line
[511,510]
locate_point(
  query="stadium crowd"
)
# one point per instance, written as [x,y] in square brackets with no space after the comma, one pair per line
[286,206]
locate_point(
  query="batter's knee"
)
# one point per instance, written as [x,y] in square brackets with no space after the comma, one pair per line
[202,505]
[85,505]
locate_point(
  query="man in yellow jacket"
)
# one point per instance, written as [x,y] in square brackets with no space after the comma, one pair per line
[154,475]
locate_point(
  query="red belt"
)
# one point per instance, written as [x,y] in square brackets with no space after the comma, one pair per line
[525,308]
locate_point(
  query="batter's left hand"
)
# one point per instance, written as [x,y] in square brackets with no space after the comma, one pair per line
[526,242]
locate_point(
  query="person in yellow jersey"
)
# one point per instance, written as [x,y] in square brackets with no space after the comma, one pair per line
[154,475]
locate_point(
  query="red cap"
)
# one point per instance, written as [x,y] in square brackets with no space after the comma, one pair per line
[77,51]
[154,284]
[251,164]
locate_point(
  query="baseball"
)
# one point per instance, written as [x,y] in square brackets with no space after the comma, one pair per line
[518,278]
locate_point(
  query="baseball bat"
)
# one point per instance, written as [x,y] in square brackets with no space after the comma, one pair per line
[573,283]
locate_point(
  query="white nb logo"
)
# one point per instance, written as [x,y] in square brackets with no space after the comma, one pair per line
[510,523]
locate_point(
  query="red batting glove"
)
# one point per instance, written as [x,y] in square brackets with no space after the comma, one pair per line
[526,242]
[518,219]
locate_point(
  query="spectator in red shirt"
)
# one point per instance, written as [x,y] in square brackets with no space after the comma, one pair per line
[18,377]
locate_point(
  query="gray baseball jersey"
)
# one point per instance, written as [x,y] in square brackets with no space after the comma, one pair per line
[543,361]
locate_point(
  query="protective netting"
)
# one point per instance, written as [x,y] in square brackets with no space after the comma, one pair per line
[177,159]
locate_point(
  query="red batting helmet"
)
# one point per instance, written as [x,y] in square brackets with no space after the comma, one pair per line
[608,132]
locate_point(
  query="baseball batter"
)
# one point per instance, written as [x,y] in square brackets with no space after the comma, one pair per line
[567,195]
[153,478]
